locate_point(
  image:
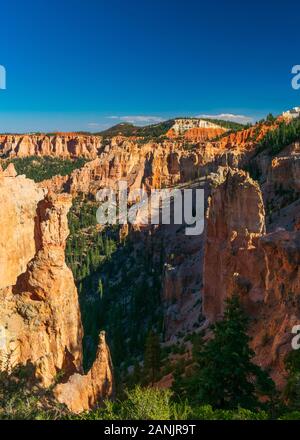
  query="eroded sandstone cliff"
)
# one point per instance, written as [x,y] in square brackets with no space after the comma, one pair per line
[149,165]
[39,304]
[63,145]
[235,221]
[263,269]
[39,310]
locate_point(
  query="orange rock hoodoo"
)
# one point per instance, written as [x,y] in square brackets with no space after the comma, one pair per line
[39,310]
[83,392]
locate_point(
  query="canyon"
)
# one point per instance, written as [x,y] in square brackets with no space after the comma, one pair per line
[250,246]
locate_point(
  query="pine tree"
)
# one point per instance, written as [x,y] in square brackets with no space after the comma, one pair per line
[292,389]
[225,376]
[137,374]
[100,288]
[152,359]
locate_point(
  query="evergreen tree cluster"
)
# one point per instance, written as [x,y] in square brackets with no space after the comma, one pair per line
[285,134]
[42,168]
[224,375]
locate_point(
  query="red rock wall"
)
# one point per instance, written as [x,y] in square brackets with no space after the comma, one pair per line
[263,269]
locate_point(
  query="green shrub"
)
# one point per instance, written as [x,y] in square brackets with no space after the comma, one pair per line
[147,404]
[140,404]
[294,415]
[109,411]
[206,412]
[21,397]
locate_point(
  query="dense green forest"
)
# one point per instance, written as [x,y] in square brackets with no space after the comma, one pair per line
[41,168]
[282,136]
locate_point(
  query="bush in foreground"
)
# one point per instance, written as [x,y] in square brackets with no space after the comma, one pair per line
[20,399]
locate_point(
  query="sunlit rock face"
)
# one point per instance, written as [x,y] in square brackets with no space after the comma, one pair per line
[66,145]
[235,221]
[39,311]
[83,392]
[39,308]
[263,269]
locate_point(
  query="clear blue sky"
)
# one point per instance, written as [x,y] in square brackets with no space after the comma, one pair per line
[84,65]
